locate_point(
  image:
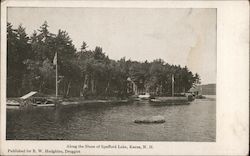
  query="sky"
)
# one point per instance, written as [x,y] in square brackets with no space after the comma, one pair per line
[185,37]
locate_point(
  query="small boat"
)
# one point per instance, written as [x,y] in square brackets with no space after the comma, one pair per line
[145,96]
[12,104]
[12,107]
[183,98]
[180,99]
[28,100]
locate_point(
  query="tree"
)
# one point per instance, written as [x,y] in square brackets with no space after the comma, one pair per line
[18,50]
[86,72]
[83,47]
[197,79]
[12,61]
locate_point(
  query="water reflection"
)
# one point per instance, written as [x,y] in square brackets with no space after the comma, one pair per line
[193,122]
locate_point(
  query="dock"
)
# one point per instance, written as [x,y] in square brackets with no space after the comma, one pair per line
[65,103]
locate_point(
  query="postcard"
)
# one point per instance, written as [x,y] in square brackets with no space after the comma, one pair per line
[124,77]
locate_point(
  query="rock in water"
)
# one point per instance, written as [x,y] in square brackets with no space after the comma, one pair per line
[153,119]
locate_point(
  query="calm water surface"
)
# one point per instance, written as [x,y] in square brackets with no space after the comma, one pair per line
[194,122]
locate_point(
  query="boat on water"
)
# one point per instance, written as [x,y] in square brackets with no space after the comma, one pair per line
[38,101]
[12,104]
[169,101]
[28,100]
[176,100]
[16,103]
[145,96]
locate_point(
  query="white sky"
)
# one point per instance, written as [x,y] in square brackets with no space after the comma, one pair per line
[178,36]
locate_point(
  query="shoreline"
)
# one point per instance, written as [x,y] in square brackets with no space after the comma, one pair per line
[17,103]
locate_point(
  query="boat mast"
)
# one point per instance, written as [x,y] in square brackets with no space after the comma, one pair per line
[172,85]
[55,63]
[56,81]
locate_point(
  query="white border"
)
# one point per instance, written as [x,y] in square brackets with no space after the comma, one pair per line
[232,82]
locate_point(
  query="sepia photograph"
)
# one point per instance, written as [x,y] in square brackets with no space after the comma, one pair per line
[124,77]
[111,74]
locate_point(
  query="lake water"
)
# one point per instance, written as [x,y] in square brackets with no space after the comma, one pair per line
[194,122]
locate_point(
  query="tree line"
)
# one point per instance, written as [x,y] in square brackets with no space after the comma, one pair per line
[84,72]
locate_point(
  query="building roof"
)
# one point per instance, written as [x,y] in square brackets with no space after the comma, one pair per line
[28,95]
[195,89]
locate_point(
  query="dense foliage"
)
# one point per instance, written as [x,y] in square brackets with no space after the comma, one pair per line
[83,73]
